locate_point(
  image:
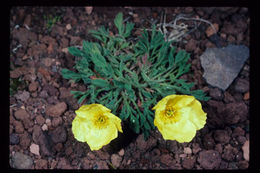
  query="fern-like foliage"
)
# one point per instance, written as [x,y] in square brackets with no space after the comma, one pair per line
[127,77]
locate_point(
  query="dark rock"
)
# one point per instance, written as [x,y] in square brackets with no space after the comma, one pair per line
[21,161]
[223,165]
[243,164]
[43,73]
[68,151]
[209,10]
[33,86]
[221,136]
[22,95]
[58,147]
[40,120]
[208,141]
[18,127]
[63,164]
[238,131]
[17,72]
[64,93]
[242,85]
[101,165]
[52,100]
[235,112]
[27,20]
[143,145]
[167,159]
[232,165]
[56,110]
[155,154]
[14,139]
[40,138]
[58,135]
[228,28]
[228,98]
[47,62]
[116,160]
[64,42]
[86,163]
[188,10]
[41,164]
[56,121]
[24,36]
[173,146]
[218,148]
[25,140]
[21,114]
[209,159]
[216,93]
[43,94]
[57,30]
[188,162]
[102,155]
[229,153]
[195,148]
[191,45]
[52,91]
[222,65]
[241,139]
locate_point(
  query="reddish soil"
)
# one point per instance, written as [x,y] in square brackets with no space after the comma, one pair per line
[42,108]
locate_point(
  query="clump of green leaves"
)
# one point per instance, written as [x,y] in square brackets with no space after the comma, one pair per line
[15,85]
[128,77]
[50,21]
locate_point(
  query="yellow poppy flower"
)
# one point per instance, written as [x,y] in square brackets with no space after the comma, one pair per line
[177,117]
[95,125]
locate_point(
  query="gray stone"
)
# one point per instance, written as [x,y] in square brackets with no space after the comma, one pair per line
[222,65]
[21,161]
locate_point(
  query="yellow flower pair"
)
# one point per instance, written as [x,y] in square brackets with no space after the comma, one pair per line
[177,117]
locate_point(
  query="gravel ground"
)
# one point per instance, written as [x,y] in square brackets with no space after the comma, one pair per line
[42,108]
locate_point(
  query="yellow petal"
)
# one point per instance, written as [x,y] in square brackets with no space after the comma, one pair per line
[181,132]
[97,138]
[88,111]
[197,116]
[180,101]
[162,103]
[115,120]
[80,127]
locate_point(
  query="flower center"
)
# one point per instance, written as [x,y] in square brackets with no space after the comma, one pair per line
[101,121]
[169,112]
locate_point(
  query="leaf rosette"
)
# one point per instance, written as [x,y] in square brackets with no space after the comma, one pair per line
[128,76]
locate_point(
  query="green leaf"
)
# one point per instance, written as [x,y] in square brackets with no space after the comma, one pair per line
[180,56]
[67,74]
[171,57]
[75,51]
[82,98]
[146,125]
[119,23]
[100,83]
[135,124]
[146,94]
[129,27]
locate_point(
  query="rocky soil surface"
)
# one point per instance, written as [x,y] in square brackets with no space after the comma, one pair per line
[42,108]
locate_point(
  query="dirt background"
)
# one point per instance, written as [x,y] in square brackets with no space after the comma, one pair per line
[42,108]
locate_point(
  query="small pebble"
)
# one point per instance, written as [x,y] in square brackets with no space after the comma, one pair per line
[14,139]
[44,127]
[187,150]
[35,149]
[68,27]
[121,152]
